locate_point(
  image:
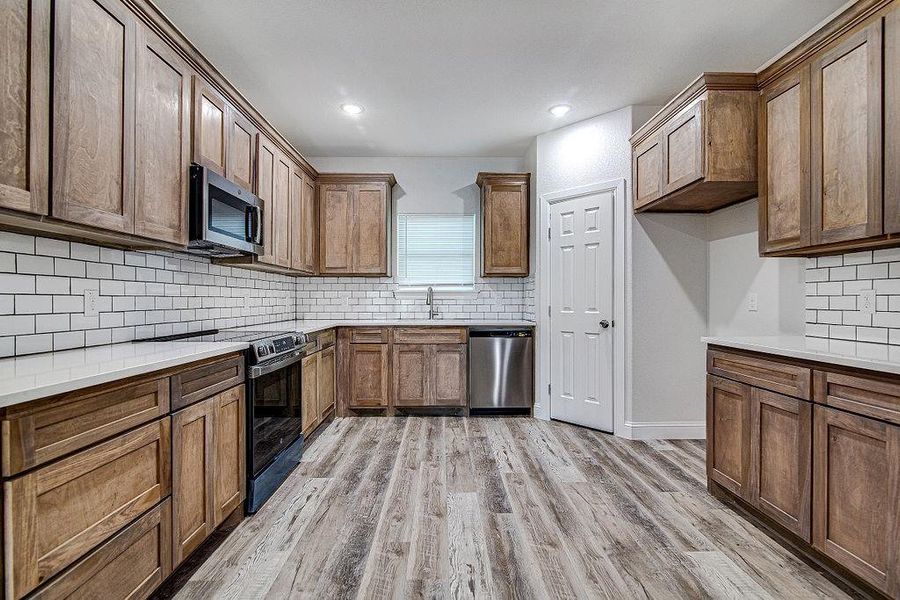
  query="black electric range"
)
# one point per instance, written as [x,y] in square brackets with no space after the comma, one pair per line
[274,419]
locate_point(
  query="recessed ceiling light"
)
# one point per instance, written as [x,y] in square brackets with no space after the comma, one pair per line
[560,110]
[352,109]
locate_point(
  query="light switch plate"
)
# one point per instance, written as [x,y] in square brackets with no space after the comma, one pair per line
[752,302]
[90,303]
[867,302]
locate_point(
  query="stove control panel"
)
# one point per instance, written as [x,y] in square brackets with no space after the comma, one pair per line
[278,345]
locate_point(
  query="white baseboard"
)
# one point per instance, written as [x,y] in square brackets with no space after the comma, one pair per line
[682,430]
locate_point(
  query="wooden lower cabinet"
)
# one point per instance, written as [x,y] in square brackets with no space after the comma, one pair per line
[56,514]
[369,375]
[728,434]
[856,500]
[130,565]
[208,462]
[309,395]
[430,375]
[780,460]
[325,380]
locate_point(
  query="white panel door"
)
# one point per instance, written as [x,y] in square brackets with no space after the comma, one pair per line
[581,309]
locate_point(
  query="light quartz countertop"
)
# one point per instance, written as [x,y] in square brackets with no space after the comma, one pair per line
[26,378]
[860,355]
[34,376]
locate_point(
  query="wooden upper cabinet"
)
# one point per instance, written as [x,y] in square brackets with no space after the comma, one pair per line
[505,206]
[856,495]
[25,110]
[162,140]
[94,114]
[728,434]
[211,133]
[241,153]
[354,223]
[699,153]
[784,145]
[274,189]
[303,222]
[780,459]
[846,150]
[646,164]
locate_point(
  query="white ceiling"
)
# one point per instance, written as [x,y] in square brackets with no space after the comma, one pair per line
[472,77]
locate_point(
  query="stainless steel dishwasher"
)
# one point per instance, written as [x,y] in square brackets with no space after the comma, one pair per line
[501,369]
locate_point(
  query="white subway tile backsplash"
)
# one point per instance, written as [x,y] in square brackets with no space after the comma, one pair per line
[29,264]
[49,247]
[16,242]
[876,271]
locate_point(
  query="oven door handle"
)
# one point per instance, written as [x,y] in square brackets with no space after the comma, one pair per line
[265,369]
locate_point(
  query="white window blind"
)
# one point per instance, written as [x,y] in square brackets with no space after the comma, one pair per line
[436,249]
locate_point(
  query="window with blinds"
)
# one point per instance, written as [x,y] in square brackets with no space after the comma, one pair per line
[437,250]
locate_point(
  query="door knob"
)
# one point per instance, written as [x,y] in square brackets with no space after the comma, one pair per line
[604,324]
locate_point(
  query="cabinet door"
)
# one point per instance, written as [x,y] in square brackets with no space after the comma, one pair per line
[193,478]
[281,212]
[370,226]
[646,167]
[683,149]
[728,434]
[448,375]
[411,368]
[56,514]
[368,375]
[241,155]
[856,495]
[229,467]
[162,141]
[210,127]
[303,222]
[892,120]
[505,229]
[265,188]
[780,459]
[325,382]
[335,229]
[93,114]
[784,196]
[25,110]
[846,146]
[310,392]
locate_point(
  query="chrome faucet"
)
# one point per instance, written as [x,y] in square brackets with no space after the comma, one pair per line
[429,300]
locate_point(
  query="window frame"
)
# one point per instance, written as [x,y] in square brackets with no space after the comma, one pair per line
[402,289]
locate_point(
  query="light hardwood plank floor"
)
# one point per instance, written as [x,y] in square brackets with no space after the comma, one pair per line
[452,507]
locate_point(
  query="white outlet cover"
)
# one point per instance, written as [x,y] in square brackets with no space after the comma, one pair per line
[867,302]
[90,303]
[753,302]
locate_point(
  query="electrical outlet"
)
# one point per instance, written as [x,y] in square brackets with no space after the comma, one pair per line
[90,303]
[752,302]
[867,302]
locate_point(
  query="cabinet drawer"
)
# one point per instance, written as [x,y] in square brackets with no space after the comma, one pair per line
[38,432]
[430,335]
[369,335]
[193,385]
[325,339]
[55,514]
[790,380]
[871,397]
[130,565]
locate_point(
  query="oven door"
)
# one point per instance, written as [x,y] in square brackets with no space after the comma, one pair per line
[275,418]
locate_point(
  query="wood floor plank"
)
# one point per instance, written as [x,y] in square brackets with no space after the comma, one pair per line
[458,507]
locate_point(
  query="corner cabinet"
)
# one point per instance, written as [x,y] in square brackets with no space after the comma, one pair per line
[699,153]
[829,125]
[505,204]
[355,223]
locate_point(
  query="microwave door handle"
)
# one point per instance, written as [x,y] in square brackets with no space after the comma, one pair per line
[257,225]
[248,223]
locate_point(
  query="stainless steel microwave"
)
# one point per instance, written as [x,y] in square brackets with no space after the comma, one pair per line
[225,219]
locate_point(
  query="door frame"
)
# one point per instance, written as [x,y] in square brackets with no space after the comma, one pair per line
[620,320]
